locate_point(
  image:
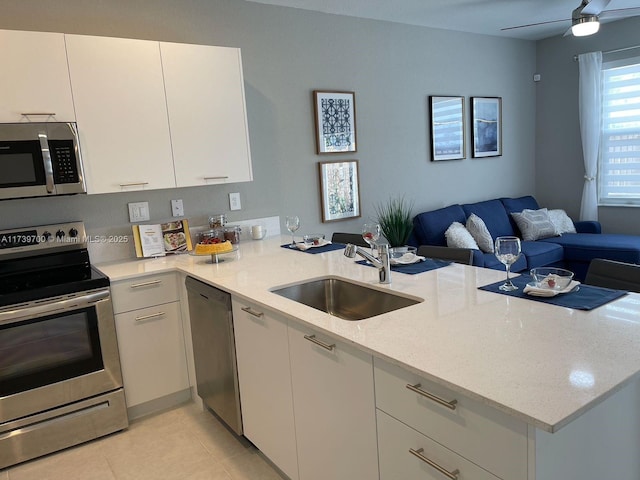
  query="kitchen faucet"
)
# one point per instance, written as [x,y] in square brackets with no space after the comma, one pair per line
[383,265]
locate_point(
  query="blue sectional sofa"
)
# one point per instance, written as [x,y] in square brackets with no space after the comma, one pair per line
[573,251]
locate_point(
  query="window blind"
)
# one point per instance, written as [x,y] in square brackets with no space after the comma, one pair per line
[619,172]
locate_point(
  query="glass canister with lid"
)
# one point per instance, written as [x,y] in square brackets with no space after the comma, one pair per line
[232,233]
[217,221]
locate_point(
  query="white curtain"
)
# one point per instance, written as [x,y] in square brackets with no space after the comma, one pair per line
[590,102]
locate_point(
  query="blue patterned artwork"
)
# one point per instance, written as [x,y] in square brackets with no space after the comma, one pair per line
[486,113]
[335,122]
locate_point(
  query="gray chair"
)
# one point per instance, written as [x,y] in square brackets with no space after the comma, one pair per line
[611,274]
[353,238]
[458,255]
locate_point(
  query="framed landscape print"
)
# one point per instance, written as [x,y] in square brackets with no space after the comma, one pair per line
[447,128]
[335,121]
[486,119]
[339,190]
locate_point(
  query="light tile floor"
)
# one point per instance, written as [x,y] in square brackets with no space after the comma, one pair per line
[183,443]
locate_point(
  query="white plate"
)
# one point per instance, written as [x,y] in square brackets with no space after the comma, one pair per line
[406,259]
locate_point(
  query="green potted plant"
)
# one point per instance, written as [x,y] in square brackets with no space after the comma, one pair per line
[395,222]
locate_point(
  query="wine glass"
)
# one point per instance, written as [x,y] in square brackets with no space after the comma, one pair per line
[507,250]
[371,234]
[293,224]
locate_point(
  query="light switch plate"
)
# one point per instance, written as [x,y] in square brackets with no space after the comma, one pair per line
[177,209]
[138,212]
[234,201]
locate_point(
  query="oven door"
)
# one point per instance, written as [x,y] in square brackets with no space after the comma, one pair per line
[56,352]
[22,170]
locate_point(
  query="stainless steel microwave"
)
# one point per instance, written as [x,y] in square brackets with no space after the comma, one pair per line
[40,160]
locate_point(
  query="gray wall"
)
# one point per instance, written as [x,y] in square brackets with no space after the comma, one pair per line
[559,161]
[287,53]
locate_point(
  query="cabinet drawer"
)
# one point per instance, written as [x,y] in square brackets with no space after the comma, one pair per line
[396,441]
[144,291]
[478,432]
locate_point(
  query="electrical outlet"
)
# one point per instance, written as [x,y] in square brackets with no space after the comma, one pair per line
[177,209]
[138,212]
[234,201]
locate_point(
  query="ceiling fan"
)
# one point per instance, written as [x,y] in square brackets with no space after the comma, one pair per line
[585,20]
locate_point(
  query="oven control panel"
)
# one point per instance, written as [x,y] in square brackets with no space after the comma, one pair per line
[32,239]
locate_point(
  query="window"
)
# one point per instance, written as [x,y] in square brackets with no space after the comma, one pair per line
[619,168]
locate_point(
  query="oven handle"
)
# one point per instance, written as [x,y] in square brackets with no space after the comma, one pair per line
[46,156]
[46,308]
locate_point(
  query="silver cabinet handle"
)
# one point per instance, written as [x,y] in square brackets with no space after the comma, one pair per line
[313,339]
[451,405]
[133,184]
[149,317]
[253,312]
[38,114]
[146,284]
[418,453]
[221,177]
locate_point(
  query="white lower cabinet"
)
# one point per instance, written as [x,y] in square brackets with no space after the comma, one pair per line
[333,399]
[408,455]
[476,432]
[264,376]
[150,338]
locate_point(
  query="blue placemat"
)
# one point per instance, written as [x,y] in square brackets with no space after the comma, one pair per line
[587,297]
[326,248]
[420,267]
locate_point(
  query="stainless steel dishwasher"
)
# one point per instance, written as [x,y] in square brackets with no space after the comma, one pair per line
[214,351]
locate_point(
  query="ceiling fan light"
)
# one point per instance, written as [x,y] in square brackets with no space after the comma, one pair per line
[585,26]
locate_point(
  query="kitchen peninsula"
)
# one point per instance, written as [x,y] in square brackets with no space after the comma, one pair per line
[542,392]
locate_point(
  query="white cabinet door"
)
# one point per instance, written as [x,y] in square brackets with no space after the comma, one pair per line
[118,92]
[334,408]
[152,354]
[206,103]
[262,353]
[35,77]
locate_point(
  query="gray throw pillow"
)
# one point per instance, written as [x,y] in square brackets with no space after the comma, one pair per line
[480,233]
[562,221]
[459,237]
[535,224]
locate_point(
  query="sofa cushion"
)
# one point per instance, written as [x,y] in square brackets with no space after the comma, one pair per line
[541,254]
[561,221]
[494,215]
[518,204]
[429,227]
[534,224]
[584,247]
[459,237]
[480,233]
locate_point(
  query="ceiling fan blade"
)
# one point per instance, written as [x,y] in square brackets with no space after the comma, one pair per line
[594,7]
[536,24]
[621,13]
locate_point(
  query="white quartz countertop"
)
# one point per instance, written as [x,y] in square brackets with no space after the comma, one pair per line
[541,363]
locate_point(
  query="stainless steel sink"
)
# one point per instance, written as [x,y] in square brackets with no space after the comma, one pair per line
[345,299]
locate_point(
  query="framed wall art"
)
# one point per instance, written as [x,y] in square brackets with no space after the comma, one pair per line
[339,190]
[486,119]
[335,121]
[447,128]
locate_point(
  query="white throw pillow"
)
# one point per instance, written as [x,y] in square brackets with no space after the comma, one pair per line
[459,237]
[535,224]
[480,233]
[562,221]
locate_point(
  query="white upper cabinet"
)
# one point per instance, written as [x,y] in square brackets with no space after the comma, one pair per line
[118,92]
[207,114]
[34,78]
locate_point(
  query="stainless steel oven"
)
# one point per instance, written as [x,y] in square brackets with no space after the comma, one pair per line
[60,379]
